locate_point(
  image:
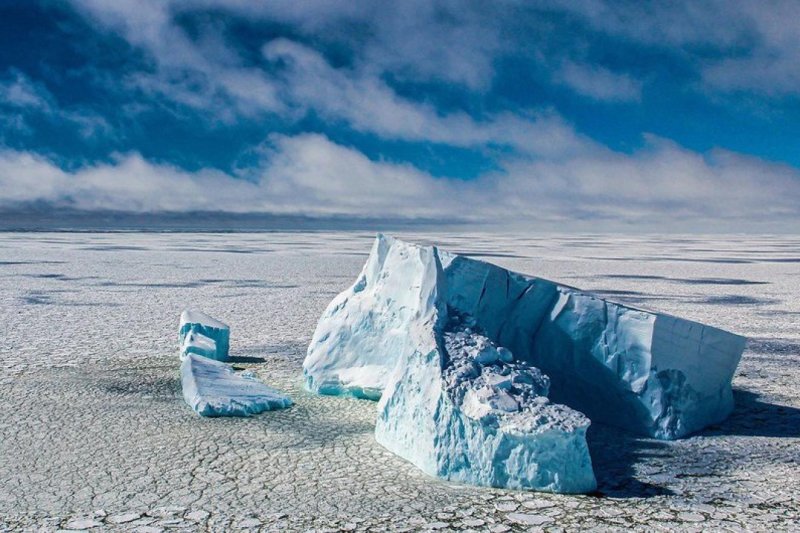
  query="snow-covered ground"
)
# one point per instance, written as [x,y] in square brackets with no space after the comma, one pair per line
[93,429]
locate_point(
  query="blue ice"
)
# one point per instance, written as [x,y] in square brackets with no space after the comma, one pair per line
[212,388]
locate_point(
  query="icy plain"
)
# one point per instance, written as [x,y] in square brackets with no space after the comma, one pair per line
[73,400]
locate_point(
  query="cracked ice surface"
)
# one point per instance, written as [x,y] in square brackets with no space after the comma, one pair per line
[647,372]
[71,404]
[212,388]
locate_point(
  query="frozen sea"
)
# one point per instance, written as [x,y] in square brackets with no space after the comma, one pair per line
[94,432]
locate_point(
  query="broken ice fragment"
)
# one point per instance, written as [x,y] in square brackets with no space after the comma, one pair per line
[199,344]
[212,388]
[203,335]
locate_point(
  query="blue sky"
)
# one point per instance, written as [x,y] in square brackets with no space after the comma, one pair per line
[544,114]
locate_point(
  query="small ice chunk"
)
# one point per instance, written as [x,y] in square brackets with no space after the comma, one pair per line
[212,388]
[505,354]
[199,344]
[203,329]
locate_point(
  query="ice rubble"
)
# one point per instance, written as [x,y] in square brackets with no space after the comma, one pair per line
[463,410]
[203,335]
[391,336]
[212,388]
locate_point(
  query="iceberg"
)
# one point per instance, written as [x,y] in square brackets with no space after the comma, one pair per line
[650,373]
[212,388]
[462,409]
[203,335]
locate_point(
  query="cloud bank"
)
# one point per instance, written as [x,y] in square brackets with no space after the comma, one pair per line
[365,109]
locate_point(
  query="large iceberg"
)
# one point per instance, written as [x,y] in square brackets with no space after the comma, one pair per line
[203,335]
[212,388]
[650,373]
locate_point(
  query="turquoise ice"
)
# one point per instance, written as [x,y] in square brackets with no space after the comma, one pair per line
[212,388]
[203,335]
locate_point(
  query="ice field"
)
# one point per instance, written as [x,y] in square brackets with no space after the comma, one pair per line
[94,431]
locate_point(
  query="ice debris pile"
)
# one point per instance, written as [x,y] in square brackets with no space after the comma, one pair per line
[210,386]
[202,335]
[436,337]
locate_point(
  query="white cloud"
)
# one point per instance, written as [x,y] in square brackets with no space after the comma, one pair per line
[368,104]
[21,97]
[663,186]
[735,45]
[599,83]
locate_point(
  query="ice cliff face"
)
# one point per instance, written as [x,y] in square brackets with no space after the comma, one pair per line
[365,330]
[481,372]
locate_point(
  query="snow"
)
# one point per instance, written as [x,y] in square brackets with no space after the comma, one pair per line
[649,373]
[212,388]
[203,335]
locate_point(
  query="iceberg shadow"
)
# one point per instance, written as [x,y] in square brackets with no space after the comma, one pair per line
[614,456]
[752,417]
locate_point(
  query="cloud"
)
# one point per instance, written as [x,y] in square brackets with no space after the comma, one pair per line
[19,92]
[734,45]
[599,83]
[21,98]
[366,103]
[662,186]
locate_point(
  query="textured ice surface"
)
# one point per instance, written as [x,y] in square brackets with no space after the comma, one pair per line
[212,388]
[650,373]
[462,410]
[203,335]
[316,465]
[364,330]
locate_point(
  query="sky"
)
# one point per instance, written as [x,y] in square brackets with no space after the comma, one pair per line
[552,114]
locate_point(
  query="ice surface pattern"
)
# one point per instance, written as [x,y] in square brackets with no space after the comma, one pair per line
[122,392]
[651,373]
[212,388]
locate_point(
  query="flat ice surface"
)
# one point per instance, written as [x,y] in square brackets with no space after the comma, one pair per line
[204,335]
[212,388]
[317,465]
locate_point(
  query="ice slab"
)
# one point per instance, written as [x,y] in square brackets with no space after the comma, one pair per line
[212,388]
[651,373]
[203,335]
[363,332]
